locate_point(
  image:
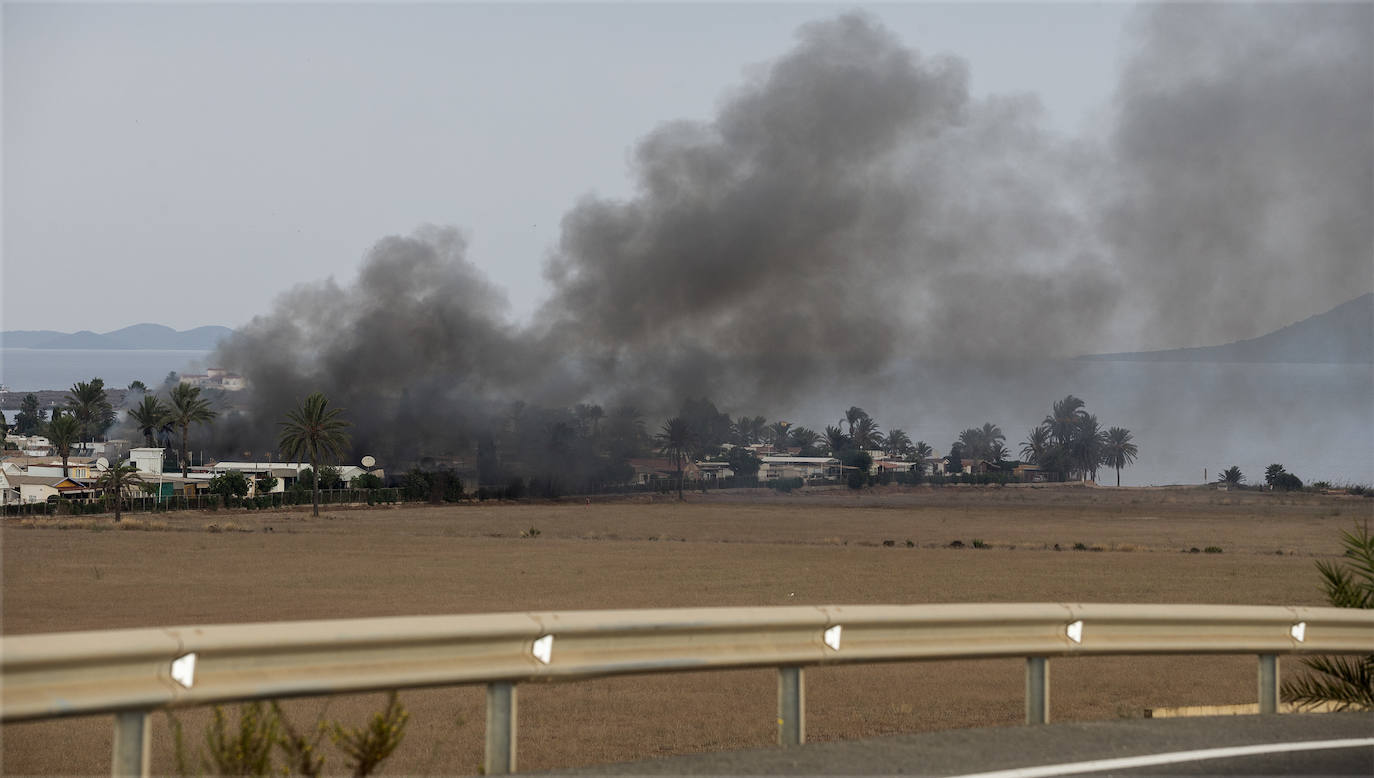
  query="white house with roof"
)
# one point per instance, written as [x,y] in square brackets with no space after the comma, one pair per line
[798,467]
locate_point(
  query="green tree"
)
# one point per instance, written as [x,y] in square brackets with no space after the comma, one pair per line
[314,431]
[31,419]
[675,442]
[1064,419]
[1231,476]
[866,435]
[91,406]
[1346,681]
[63,432]
[922,450]
[187,408]
[149,415]
[230,484]
[137,386]
[743,462]
[1119,451]
[114,480]
[779,434]
[1088,446]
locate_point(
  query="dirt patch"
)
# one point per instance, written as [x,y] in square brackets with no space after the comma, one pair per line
[717,549]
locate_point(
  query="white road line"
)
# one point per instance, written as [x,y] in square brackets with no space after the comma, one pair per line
[1148,760]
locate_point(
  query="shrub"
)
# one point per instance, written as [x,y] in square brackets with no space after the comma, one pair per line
[1346,681]
[1212,550]
[979,544]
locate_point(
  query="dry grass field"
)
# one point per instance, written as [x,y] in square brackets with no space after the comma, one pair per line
[718,549]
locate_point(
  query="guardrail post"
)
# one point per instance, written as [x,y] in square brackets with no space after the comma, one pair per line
[791,706]
[501,724]
[130,744]
[1268,683]
[1037,690]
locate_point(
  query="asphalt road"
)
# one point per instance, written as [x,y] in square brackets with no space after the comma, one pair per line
[970,751]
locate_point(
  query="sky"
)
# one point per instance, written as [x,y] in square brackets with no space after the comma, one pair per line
[186,164]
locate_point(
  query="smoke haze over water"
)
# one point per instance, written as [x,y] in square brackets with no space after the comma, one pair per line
[852,207]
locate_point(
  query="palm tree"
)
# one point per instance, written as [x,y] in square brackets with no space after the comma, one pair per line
[866,435]
[997,452]
[835,439]
[314,431]
[1036,444]
[806,438]
[853,415]
[113,481]
[149,415]
[779,434]
[675,441]
[1231,476]
[63,431]
[88,402]
[1063,421]
[1120,451]
[897,444]
[1346,681]
[188,408]
[1088,446]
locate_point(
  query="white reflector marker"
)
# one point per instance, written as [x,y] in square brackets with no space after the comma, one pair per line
[1298,631]
[832,637]
[543,649]
[1075,631]
[184,670]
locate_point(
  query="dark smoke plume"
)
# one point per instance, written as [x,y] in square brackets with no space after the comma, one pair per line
[852,207]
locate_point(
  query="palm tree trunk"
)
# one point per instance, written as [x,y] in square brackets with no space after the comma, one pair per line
[315,479]
[185,435]
[1118,476]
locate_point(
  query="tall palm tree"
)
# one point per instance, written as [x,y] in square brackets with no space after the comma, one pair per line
[778,433]
[835,439]
[90,405]
[314,431]
[866,435]
[113,482]
[150,414]
[1088,446]
[1231,476]
[1064,419]
[852,416]
[63,431]
[897,444]
[188,408]
[805,438]
[675,441]
[1119,451]
[1036,444]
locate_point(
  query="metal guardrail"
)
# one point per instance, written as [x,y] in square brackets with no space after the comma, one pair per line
[132,672]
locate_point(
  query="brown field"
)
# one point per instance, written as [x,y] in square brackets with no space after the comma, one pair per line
[719,549]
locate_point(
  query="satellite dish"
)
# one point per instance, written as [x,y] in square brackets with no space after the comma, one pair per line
[368,461]
[102,463]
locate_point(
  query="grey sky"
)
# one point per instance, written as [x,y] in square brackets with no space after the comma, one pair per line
[185,164]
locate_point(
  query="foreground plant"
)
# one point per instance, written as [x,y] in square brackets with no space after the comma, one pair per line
[247,748]
[1346,682]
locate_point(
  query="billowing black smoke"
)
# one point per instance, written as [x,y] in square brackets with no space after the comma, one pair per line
[854,206]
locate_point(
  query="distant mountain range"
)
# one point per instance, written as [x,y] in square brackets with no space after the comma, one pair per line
[1344,334]
[138,336]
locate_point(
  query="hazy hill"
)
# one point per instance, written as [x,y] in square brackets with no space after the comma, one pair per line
[138,336]
[1344,334]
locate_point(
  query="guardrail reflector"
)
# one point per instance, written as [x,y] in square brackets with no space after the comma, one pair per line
[832,637]
[1075,631]
[184,670]
[543,649]
[1298,631]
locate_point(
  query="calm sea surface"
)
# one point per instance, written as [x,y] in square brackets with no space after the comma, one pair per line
[25,369]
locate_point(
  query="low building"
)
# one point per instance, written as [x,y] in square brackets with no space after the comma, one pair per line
[809,468]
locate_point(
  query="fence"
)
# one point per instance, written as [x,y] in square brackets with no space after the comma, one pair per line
[130,673]
[205,501]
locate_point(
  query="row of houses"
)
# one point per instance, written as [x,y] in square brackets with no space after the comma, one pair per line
[786,466]
[31,479]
